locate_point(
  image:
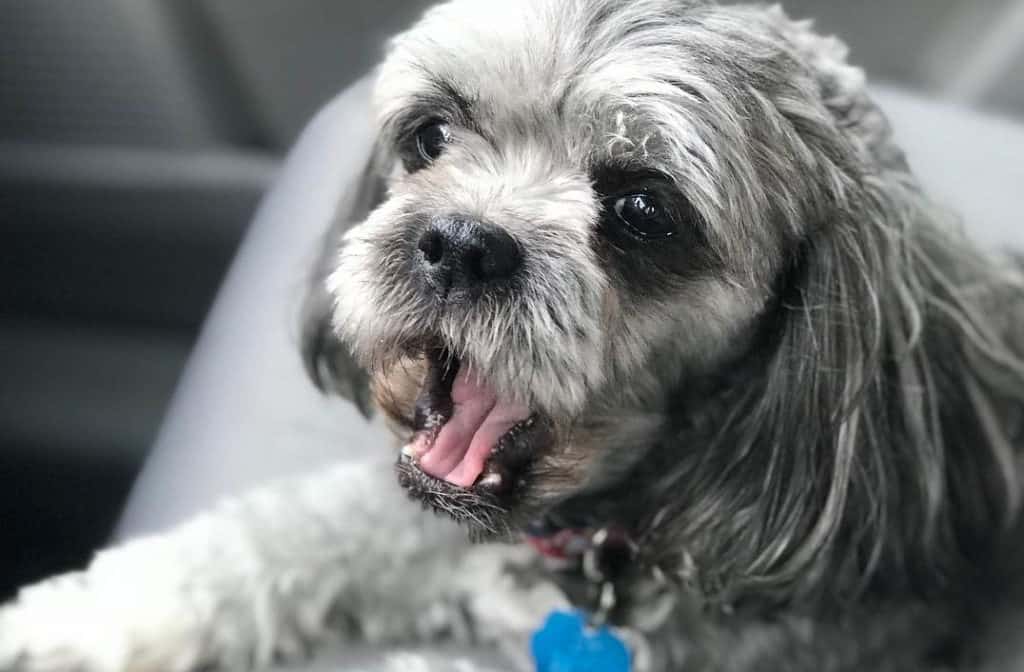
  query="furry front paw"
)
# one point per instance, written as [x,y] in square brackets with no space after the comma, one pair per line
[64,625]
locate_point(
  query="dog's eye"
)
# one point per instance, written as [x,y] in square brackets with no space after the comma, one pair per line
[641,216]
[431,139]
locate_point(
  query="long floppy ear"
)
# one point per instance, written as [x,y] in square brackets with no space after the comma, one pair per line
[805,430]
[874,433]
[876,420]
[328,361]
[869,440]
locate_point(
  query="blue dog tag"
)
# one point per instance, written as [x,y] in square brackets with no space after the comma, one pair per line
[565,643]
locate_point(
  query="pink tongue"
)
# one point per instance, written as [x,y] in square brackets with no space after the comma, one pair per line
[479,419]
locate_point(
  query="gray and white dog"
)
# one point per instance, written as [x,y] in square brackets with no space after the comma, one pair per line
[650,282]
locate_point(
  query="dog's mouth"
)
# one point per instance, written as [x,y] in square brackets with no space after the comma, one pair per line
[469,441]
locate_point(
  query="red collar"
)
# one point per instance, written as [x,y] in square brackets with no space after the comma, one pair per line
[603,556]
[602,545]
[563,544]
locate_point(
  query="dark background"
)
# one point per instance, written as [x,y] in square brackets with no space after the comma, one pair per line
[136,137]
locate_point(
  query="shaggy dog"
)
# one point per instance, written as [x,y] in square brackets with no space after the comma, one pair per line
[649,282]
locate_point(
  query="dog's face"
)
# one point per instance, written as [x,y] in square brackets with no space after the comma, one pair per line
[589,206]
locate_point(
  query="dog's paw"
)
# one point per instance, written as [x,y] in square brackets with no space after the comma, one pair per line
[64,625]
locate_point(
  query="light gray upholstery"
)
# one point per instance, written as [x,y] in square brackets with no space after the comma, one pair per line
[245,413]
[970,162]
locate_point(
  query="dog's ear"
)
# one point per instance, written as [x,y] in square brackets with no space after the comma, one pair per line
[327,359]
[831,324]
[884,379]
[805,427]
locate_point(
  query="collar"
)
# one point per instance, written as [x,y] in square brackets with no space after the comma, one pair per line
[605,551]
[561,544]
[602,556]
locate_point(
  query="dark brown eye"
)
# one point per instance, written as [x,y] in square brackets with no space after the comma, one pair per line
[641,216]
[431,139]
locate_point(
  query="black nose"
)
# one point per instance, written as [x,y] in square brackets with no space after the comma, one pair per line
[460,254]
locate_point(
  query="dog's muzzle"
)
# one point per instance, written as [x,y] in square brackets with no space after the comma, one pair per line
[472,440]
[466,434]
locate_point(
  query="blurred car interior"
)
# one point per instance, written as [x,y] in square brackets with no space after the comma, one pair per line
[136,139]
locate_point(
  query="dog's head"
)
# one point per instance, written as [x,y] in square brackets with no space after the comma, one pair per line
[589,208]
[658,246]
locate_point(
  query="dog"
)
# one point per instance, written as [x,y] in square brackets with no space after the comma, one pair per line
[650,284]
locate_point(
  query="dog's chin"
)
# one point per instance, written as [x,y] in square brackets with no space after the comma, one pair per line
[472,451]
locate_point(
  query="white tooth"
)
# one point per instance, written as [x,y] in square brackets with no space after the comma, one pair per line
[409,451]
[491,480]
